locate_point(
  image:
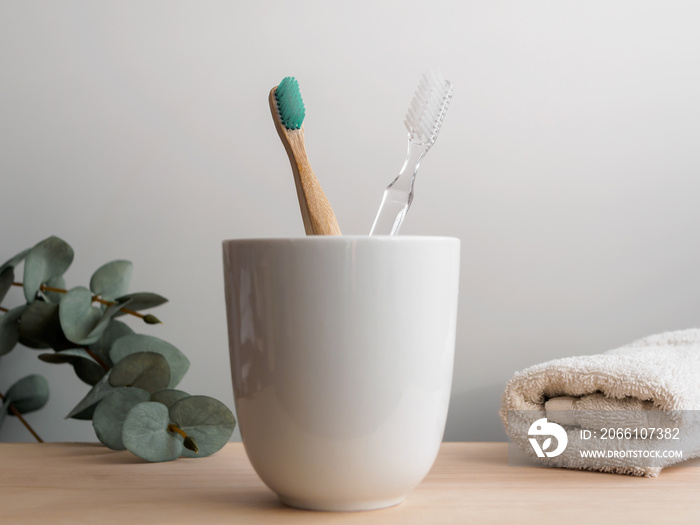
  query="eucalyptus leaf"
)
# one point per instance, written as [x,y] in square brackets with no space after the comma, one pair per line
[111,412]
[78,316]
[32,344]
[89,372]
[85,366]
[142,301]
[130,344]
[7,277]
[45,261]
[145,433]
[14,261]
[112,279]
[40,327]
[115,330]
[86,407]
[168,396]
[29,393]
[82,323]
[104,321]
[147,370]
[9,329]
[56,282]
[72,355]
[205,419]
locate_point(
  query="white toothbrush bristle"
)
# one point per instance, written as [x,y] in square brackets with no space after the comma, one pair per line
[427,110]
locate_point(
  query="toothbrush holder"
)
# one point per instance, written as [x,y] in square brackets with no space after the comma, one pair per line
[341,352]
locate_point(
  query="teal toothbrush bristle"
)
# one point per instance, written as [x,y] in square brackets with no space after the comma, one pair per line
[289,103]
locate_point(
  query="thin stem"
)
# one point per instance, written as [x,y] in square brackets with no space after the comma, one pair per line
[110,303]
[45,288]
[96,358]
[187,442]
[2,309]
[24,421]
[177,430]
[95,298]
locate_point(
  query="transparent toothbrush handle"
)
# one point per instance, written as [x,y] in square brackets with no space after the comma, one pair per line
[399,194]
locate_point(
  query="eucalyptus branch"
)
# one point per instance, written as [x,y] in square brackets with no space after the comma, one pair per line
[24,421]
[133,402]
[148,318]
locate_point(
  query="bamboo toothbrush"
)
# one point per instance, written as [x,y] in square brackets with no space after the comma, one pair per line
[288,112]
[423,121]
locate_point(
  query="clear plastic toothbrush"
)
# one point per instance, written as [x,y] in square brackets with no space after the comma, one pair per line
[423,120]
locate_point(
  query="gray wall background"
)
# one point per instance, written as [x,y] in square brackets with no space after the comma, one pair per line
[568,163]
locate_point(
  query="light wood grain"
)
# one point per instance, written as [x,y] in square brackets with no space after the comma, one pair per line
[316,210]
[470,483]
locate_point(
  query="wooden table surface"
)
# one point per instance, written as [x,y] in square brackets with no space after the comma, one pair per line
[470,483]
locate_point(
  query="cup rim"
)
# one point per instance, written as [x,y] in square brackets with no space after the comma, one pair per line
[344,238]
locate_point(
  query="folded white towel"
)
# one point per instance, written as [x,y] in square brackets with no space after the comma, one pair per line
[622,388]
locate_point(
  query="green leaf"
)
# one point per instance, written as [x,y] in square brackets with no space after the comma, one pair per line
[115,330]
[89,372]
[71,356]
[7,277]
[147,370]
[112,279]
[86,407]
[31,344]
[29,393]
[40,327]
[14,261]
[85,366]
[45,261]
[82,323]
[168,396]
[111,412]
[9,329]
[145,433]
[151,319]
[130,344]
[56,282]
[142,301]
[78,316]
[207,420]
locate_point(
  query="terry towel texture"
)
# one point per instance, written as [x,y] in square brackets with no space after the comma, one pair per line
[659,372]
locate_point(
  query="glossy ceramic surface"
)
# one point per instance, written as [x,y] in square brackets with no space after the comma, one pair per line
[341,357]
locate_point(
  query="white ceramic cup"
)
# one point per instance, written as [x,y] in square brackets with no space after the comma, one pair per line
[341,358]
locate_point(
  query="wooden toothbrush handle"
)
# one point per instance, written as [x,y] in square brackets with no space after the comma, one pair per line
[316,210]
